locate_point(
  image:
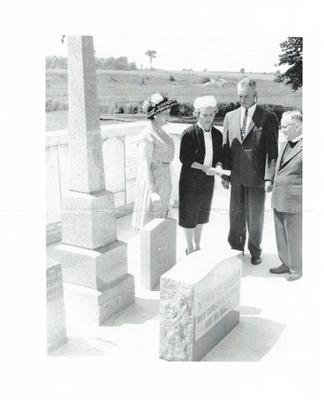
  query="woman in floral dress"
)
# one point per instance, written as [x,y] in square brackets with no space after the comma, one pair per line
[155,153]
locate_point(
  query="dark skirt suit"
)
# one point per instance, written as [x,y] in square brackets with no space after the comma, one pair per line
[195,187]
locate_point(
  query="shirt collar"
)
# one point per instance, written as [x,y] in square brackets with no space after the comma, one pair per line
[296,139]
[250,110]
[198,123]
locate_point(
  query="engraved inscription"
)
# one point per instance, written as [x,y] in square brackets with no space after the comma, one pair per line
[115,303]
[217,303]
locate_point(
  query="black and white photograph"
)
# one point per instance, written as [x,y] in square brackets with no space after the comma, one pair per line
[173,209]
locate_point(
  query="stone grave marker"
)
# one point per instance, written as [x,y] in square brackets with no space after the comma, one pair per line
[158,250]
[56,330]
[199,300]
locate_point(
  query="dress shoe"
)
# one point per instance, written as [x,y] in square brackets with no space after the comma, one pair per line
[255,260]
[187,251]
[282,269]
[293,276]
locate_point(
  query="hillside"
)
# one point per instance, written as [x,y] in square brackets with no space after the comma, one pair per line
[124,88]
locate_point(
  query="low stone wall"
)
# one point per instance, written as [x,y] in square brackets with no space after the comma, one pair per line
[120,165]
[119,146]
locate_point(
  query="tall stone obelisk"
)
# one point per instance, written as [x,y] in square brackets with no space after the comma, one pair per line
[94,262]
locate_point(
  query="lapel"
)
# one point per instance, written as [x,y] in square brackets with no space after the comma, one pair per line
[213,136]
[282,149]
[200,139]
[237,124]
[254,121]
[297,149]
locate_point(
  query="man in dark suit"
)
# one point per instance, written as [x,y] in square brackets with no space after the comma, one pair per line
[287,198]
[251,150]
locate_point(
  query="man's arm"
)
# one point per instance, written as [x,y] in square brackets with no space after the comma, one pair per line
[272,147]
[227,160]
[227,164]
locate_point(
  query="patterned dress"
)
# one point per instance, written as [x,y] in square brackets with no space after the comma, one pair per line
[162,155]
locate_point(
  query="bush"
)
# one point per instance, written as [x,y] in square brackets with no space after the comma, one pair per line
[224,108]
[186,109]
[128,108]
[174,110]
[120,110]
[179,110]
[204,79]
[277,109]
[132,109]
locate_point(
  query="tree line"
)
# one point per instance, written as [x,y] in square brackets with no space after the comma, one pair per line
[119,63]
[291,55]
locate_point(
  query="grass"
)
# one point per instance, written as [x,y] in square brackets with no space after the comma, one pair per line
[132,87]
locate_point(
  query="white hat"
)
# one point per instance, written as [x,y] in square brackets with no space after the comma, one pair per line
[204,102]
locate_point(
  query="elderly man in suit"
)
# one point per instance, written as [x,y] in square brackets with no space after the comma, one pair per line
[287,198]
[251,150]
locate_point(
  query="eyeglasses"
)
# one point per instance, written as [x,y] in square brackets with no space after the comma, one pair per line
[286,126]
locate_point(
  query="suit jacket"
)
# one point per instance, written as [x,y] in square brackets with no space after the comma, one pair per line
[253,160]
[192,146]
[287,185]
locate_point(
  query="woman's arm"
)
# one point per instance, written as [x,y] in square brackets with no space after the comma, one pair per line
[197,165]
[145,149]
[188,149]
[145,152]
[219,154]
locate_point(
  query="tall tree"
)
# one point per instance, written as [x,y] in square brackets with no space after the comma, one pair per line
[151,54]
[292,54]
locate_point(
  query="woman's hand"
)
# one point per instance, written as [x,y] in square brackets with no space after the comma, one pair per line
[202,167]
[211,171]
[268,186]
[219,170]
[156,200]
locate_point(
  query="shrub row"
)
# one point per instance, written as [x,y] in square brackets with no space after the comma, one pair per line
[186,109]
[180,110]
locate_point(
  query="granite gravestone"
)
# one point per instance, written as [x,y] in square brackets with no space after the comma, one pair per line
[158,250]
[199,305]
[56,331]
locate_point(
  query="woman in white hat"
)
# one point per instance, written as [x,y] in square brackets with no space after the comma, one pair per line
[155,153]
[201,155]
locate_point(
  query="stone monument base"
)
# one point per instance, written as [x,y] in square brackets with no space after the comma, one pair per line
[88,220]
[93,268]
[93,306]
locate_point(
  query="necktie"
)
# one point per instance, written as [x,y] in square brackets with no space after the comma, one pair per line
[292,144]
[287,151]
[244,124]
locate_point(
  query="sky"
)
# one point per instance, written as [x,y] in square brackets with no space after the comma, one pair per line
[197,51]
